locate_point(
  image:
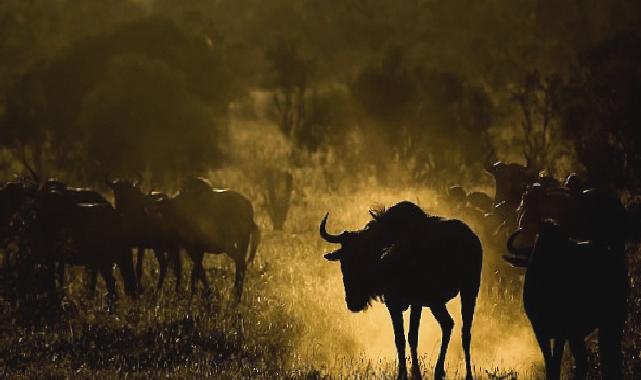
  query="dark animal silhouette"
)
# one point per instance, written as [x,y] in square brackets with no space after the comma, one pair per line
[592,214]
[85,234]
[511,180]
[147,225]
[570,289]
[480,201]
[215,221]
[73,195]
[409,259]
[54,229]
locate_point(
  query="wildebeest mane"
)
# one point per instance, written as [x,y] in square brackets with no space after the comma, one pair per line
[384,238]
[397,223]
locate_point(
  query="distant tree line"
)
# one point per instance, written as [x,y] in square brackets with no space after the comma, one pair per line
[437,86]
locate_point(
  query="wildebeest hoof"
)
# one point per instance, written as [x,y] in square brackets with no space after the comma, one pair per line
[416,373]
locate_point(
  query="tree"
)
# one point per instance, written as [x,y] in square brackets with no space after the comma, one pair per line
[142,117]
[290,80]
[602,115]
[432,120]
[54,110]
[539,100]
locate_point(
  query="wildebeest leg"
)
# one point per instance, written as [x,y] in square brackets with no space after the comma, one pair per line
[468,303]
[162,263]
[610,350]
[546,350]
[241,268]
[447,323]
[399,338]
[106,272]
[125,263]
[577,345]
[91,281]
[61,274]
[139,264]
[558,346]
[415,319]
[198,272]
[175,255]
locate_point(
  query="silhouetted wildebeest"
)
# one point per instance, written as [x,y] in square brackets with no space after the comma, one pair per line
[407,258]
[85,234]
[570,289]
[592,214]
[53,230]
[215,221]
[74,194]
[147,224]
[480,201]
[511,180]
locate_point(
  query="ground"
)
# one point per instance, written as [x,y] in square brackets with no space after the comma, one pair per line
[292,322]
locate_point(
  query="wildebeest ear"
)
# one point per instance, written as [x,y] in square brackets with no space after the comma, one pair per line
[517,261]
[333,256]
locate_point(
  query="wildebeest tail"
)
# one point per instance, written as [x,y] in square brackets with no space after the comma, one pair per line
[253,245]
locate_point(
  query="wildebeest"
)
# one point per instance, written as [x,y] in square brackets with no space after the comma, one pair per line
[55,229]
[147,225]
[570,289]
[72,195]
[511,180]
[592,214]
[480,201]
[85,234]
[409,259]
[215,221]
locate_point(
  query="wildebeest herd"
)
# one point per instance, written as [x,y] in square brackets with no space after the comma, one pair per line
[49,225]
[570,237]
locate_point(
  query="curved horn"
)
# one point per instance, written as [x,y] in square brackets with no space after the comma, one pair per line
[489,163]
[335,239]
[517,251]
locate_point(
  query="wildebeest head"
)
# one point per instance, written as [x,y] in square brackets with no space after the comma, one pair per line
[548,238]
[457,195]
[574,184]
[359,259]
[511,179]
[127,194]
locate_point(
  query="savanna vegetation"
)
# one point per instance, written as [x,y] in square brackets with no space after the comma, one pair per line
[307,107]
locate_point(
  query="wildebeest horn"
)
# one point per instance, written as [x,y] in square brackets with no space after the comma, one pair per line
[517,251]
[489,163]
[335,239]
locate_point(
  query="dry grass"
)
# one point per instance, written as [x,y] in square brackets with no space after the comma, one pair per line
[292,322]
